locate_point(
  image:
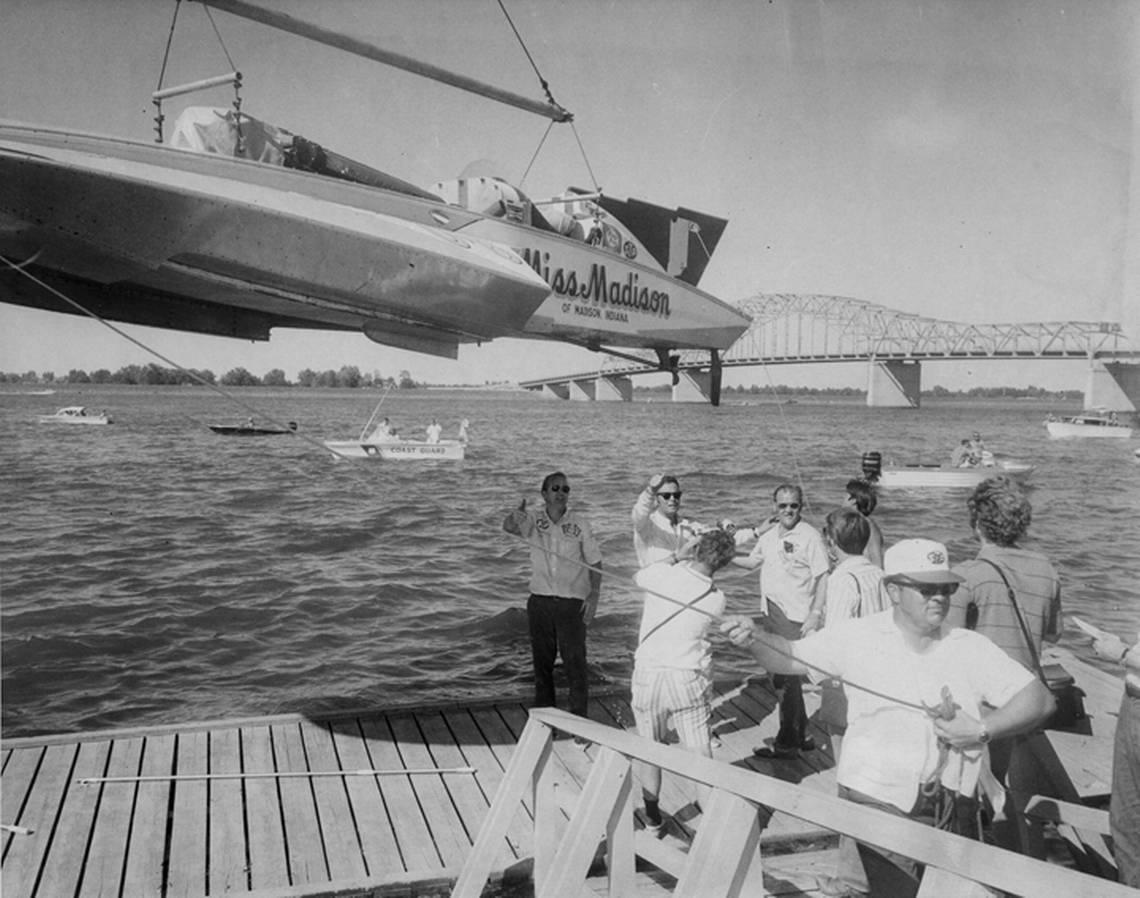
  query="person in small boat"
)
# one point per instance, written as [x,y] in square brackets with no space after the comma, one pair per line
[861,496]
[462,436]
[792,561]
[1000,514]
[672,669]
[962,457]
[979,455]
[915,746]
[854,589]
[1124,805]
[383,432]
[565,583]
[434,431]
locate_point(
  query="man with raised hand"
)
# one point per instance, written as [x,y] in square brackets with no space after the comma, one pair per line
[565,583]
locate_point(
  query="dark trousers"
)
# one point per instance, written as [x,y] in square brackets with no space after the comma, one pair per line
[557,628]
[896,875]
[793,712]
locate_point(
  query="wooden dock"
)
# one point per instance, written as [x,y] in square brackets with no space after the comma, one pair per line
[359,831]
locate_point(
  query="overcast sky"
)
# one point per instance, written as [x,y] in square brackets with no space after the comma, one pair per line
[974,161]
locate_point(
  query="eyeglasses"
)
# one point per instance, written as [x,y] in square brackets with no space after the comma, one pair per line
[668,496]
[792,505]
[564,488]
[930,590]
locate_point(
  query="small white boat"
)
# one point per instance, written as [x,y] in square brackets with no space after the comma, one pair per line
[1098,424]
[76,414]
[947,477]
[448,450]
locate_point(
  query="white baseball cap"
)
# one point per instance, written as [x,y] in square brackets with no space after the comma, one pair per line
[920,561]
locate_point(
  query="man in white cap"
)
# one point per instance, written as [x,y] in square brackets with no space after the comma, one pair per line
[923,701]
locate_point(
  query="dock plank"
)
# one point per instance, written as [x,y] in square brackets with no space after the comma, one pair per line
[63,865]
[466,795]
[15,785]
[299,810]
[24,857]
[186,873]
[107,858]
[409,826]
[146,850]
[268,864]
[446,828]
[338,823]
[228,866]
[475,750]
[374,827]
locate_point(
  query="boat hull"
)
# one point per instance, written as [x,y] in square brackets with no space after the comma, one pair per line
[167,224]
[1063,430]
[240,430]
[945,477]
[75,415]
[402,450]
[208,243]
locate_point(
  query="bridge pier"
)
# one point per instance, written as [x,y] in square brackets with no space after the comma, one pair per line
[556,390]
[894,384]
[693,385]
[582,389]
[1113,385]
[614,389]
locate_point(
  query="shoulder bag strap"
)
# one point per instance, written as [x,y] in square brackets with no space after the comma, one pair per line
[1020,618]
[858,589]
[684,607]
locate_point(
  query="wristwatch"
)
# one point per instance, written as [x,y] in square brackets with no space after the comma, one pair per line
[984,735]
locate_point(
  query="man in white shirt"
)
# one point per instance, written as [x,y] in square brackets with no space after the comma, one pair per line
[565,583]
[923,701]
[792,561]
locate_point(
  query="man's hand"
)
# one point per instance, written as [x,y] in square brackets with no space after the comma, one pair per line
[655,483]
[590,607]
[959,731]
[812,623]
[1110,647]
[739,630]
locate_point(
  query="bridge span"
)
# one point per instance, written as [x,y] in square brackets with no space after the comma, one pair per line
[796,329]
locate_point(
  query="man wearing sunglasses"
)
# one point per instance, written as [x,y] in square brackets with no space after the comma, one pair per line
[565,582]
[659,531]
[924,700]
[793,561]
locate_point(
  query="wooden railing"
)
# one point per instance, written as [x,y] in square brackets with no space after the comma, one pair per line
[725,854]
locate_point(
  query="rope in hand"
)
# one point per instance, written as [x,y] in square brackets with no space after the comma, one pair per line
[934,711]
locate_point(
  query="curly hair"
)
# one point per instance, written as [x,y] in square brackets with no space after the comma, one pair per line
[1000,509]
[716,548]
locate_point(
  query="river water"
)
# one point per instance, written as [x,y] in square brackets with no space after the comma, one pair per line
[153,572]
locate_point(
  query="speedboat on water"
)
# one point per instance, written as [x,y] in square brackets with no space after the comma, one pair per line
[941,476]
[76,414]
[249,429]
[1098,424]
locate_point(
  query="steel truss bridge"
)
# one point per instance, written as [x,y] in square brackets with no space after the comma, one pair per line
[809,328]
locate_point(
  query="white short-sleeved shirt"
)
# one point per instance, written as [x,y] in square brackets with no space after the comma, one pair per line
[890,749]
[672,636]
[792,561]
[553,545]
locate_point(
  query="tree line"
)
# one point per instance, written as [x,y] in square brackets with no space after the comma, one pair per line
[156,375]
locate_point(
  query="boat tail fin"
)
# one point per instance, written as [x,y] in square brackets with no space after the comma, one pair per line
[681,240]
